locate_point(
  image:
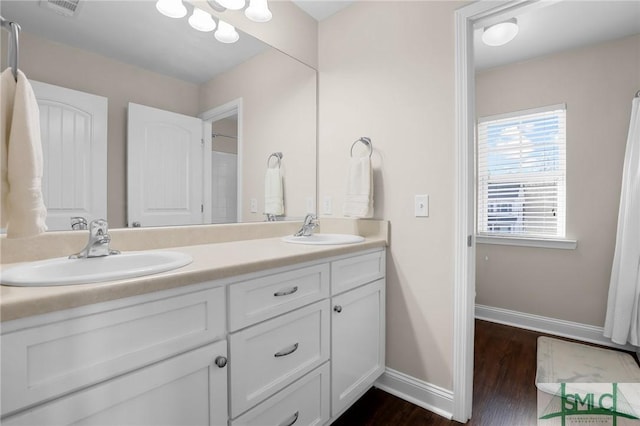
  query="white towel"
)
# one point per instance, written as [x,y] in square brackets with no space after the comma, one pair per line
[273,192]
[359,197]
[23,210]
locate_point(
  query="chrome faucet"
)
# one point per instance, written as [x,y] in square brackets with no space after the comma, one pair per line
[78,223]
[310,223]
[99,240]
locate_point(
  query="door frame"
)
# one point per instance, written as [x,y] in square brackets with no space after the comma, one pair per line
[481,13]
[233,107]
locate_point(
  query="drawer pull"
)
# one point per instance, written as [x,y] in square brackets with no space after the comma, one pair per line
[337,308]
[286,292]
[291,420]
[221,361]
[287,351]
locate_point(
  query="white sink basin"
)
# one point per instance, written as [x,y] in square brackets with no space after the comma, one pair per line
[65,271]
[324,239]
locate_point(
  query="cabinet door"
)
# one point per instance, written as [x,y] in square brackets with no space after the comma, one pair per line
[357,343]
[189,389]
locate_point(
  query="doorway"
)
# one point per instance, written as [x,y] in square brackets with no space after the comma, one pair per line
[466,19]
[226,122]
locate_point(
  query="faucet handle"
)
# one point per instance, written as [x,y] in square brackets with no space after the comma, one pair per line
[98,227]
[309,218]
[78,223]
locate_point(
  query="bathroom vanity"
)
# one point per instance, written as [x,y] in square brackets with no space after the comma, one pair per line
[290,342]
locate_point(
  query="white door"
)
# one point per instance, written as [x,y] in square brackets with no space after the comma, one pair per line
[165,168]
[357,343]
[73,128]
[224,187]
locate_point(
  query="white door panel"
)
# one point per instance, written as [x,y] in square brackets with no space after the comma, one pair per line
[165,168]
[74,145]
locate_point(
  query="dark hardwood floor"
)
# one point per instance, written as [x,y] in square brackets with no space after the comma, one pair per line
[504,392]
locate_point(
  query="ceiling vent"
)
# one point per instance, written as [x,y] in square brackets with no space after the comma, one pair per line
[63,7]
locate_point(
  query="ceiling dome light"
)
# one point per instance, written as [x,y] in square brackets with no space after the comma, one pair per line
[171,8]
[201,20]
[232,4]
[258,11]
[226,33]
[500,33]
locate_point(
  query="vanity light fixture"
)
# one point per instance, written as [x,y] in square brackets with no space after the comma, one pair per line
[201,20]
[500,33]
[258,11]
[226,33]
[171,8]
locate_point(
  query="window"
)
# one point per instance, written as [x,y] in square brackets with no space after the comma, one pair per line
[521,174]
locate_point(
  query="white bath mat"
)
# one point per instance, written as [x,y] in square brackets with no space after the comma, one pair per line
[587,370]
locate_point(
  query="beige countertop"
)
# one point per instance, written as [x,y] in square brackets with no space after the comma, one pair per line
[210,262]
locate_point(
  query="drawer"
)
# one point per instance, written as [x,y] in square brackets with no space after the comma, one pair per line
[188,389]
[271,355]
[306,402]
[357,270]
[46,361]
[266,297]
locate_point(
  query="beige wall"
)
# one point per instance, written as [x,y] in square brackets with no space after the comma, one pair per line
[387,72]
[122,83]
[279,107]
[597,83]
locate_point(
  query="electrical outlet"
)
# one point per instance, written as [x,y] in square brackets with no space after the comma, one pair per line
[253,205]
[421,206]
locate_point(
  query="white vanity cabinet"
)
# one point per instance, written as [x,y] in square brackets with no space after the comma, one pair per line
[188,389]
[119,362]
[357,327]
[291,345]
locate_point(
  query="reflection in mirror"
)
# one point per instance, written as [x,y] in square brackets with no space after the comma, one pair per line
[127,52]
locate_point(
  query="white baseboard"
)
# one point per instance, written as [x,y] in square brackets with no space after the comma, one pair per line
[556,327]
[418,392]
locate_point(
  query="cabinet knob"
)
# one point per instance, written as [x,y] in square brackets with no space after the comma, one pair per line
[337,308]
[221,361]
[137,225]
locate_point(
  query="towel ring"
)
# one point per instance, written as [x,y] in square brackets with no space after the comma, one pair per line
[365,140]
[278,156]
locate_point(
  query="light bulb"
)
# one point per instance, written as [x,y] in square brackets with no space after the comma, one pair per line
[501,33]
[171,8]
[201,20]
[258,11]
[232,4]
[226,33]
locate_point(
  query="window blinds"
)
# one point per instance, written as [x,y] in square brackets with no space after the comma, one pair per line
[521,164]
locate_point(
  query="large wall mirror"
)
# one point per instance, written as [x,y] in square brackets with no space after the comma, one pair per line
[250,99]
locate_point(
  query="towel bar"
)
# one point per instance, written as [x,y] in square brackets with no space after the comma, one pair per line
[365,140]
[13,51]
[278,156]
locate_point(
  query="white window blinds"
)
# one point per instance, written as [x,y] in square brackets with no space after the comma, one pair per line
[521,173]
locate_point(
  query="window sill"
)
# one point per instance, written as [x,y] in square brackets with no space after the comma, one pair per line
[528,242]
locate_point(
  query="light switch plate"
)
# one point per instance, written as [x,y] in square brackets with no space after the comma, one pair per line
[253,205]
[327,207]
[421,206]
[311,207]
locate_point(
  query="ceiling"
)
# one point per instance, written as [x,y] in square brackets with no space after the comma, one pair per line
[554,26]
[172,47]
[322,9]
[135,32]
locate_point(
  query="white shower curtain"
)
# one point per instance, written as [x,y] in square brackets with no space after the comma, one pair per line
[622,323]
